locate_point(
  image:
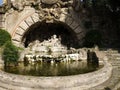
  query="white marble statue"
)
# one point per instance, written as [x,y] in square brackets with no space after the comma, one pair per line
[53,44]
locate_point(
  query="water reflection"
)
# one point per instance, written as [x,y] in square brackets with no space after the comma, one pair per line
[51,69]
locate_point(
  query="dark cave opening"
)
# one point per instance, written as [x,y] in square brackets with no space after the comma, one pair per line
[43,31]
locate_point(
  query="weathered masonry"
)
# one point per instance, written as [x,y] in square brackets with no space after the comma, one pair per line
[20,17]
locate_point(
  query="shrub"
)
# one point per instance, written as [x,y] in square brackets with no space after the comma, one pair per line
[92,38]
[4,37]
[10,53]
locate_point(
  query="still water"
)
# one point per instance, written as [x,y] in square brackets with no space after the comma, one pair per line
[52,69]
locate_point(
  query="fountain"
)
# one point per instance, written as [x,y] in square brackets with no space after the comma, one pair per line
[51,58]
[53,50]
[50,30]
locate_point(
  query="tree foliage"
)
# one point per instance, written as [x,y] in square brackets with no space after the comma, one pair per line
[107,15]
[92,38]
[4,37]
[10,52]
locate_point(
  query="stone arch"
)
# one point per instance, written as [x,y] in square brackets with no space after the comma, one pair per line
[32,18]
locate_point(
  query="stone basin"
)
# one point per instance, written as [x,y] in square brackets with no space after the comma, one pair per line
[74,82]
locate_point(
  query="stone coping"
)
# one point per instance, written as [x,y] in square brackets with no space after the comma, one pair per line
[74,82]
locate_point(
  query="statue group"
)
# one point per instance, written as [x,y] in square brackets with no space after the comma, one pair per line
[53,44]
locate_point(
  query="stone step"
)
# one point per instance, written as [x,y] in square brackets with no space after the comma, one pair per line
[116,75]
[111,59]
[118,58]
[115,65]
[112,52]
[115,62]
[115,58]
[115,55]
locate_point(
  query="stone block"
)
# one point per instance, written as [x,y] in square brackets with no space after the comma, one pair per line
[74,25]
[35,17]
[17,37]
[20,31]
[23,25]
[69,20]
[81,35]
[29,21]
[15,42]
[78,30]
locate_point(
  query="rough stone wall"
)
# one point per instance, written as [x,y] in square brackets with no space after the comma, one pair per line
[14,17]
[1,18]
